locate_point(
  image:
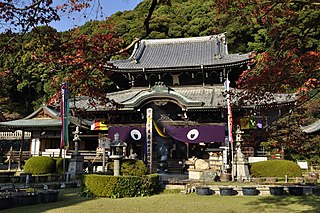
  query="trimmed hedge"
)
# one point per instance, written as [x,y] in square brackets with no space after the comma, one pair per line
[40,165]
[94,185]
[275,168]
[132,167]
[150,185]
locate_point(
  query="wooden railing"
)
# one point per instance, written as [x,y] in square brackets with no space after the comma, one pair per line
[91,155]
[15,155]
[14,135]
[87,154]
[52,153]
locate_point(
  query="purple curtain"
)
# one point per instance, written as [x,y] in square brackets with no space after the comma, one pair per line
[197,134]
[190,134]
[128,133]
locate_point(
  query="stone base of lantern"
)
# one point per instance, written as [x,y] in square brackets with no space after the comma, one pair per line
[75,168]
[240,169]
[116,167]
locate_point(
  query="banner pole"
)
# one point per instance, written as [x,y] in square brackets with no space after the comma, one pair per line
[227,86]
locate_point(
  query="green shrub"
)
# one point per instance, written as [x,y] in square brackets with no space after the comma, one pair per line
[150,185]
[119,186]
[132,167]
[98,185]
[59,164]
[275,168]
[315,160]
[40,165]
[108,172]
[127,186]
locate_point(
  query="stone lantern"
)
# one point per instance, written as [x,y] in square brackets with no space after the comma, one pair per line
[240,164]
[75,168]
[76,139]
[117,153]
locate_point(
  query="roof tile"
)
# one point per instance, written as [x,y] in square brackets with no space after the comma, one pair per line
[180,52]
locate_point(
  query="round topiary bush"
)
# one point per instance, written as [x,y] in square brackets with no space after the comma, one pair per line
[275,168]
[40,165]
[60,163]
[132,167]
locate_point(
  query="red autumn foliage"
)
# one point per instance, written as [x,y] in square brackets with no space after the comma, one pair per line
[83,60]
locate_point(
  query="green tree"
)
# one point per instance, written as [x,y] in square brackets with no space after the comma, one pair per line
[26,82]
[40,59]
[287,37]
[286,132]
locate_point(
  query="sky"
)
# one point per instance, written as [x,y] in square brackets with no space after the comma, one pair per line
[109,7]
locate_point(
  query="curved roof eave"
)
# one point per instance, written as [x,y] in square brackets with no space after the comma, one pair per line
[312,128]
[196,97]
[160,92]
[179,68]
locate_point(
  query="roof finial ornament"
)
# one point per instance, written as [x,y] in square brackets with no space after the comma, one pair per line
[134,61]
[159,87]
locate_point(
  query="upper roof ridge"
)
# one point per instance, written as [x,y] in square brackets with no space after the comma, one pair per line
[181,40]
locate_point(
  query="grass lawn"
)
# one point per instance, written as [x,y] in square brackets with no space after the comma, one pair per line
[176,202]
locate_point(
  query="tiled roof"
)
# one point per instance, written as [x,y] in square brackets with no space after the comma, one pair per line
[193,97]
[312,128]
[52,113]
[177,53]
[34,122]
[31,123]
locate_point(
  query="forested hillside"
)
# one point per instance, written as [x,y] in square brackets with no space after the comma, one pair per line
[184,18]
[33,65]
[28,81]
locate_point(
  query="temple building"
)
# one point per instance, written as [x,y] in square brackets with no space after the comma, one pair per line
[174,100]
[173,103]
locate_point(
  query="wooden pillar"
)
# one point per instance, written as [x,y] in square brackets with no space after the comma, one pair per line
[21,150]
[187,150]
